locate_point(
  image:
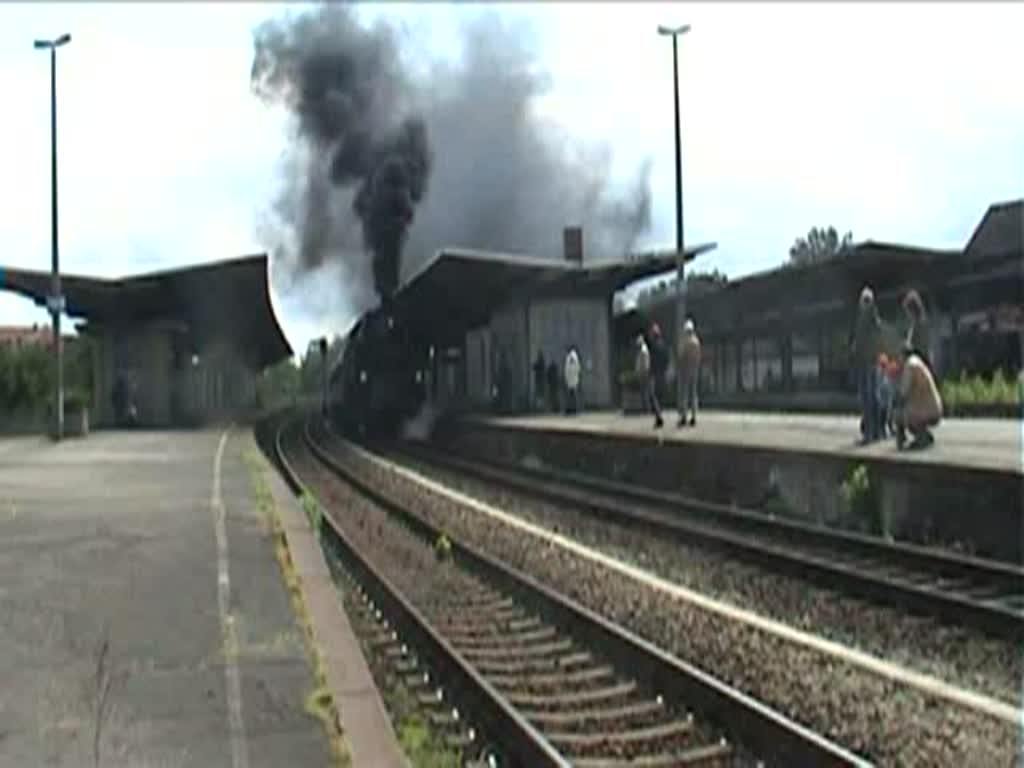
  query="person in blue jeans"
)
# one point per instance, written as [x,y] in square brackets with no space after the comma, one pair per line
[867,341]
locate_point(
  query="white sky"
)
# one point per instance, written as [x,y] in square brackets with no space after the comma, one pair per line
[898,122]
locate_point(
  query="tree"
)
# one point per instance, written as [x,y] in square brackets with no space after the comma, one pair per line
[697,282]
[819,245]
[279,383]
[712,278]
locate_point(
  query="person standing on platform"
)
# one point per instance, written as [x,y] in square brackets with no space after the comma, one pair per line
[553,387]
[646,379]
[688,372]
[918,332]
[867,339]
[572,381]
[539,371]
[658,366]
[922,404]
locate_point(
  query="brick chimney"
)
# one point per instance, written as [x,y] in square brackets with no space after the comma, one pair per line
[572,239]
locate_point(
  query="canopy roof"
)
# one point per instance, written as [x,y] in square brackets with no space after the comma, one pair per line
[223,301]
[458,289]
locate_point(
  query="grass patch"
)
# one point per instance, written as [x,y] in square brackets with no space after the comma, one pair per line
[862,499]
[423,746]
[312,510]
[319,703]
[999,390]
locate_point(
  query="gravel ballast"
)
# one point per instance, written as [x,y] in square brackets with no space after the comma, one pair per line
[962,656]
[440,588]
[887,722]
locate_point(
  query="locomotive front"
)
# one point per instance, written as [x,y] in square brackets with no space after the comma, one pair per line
[382,383]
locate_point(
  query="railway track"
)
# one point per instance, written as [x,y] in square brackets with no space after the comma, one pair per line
[985,594]
[550,681]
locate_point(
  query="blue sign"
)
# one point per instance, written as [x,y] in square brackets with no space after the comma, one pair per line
[1,277]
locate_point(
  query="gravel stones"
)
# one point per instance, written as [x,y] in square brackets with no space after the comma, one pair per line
[886,722]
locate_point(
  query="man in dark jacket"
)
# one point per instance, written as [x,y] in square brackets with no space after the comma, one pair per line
[867,343]
[554,390]
[659,365]
[540,370]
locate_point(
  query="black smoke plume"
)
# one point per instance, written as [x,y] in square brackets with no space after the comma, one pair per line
[500,176]
[343,84]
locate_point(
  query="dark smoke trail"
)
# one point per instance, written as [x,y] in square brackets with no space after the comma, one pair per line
[343,84]
[501,178]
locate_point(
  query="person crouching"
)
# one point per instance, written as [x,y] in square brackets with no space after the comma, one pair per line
[921,402]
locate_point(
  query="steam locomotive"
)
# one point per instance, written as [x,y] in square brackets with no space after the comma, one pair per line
[380,381]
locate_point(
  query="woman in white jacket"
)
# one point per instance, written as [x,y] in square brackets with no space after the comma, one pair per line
[572,380]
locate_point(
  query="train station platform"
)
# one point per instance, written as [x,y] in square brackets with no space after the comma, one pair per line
[138,625]
[964,491]
[987,444]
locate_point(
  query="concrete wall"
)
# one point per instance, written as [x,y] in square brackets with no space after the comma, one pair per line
[216,387]
[518,332]
[479,373]
[557,324]
[924,503]
[510,356]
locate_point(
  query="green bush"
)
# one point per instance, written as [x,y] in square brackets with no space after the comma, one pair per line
[76,400]
[312,510]
[861,498]
[977,391]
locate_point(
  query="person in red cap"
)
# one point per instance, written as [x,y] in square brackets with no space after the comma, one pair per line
[659,364]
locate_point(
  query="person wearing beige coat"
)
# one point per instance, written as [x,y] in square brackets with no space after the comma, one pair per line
[688,373]
[922,404]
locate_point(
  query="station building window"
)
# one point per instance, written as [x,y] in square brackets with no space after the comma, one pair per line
[805,360]
[768,357]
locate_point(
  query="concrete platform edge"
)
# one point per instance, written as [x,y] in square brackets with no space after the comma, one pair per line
[903,463]
[366,728]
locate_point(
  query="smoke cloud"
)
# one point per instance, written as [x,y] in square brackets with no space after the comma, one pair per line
[387,160]
[344,85]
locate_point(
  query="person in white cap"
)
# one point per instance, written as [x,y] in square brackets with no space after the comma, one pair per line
[572,380]
[688,371]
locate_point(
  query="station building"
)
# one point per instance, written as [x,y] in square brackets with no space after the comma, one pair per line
[189,342]
[782,337]
[488,317]
[774,339]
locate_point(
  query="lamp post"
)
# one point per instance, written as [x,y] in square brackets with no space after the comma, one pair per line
[674,33]
[55,302]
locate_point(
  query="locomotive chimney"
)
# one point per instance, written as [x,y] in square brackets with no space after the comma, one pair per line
[572,240]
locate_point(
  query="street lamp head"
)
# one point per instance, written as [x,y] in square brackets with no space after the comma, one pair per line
[663,30]
[50,44]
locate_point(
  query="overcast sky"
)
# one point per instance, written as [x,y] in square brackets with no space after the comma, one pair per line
[898,122]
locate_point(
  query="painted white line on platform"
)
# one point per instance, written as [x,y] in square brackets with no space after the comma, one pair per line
[229,638]
[927,683]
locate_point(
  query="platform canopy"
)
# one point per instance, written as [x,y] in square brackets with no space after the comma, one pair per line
[226,301]
[458,289]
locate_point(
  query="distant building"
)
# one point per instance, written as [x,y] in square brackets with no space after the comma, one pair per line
[19,336]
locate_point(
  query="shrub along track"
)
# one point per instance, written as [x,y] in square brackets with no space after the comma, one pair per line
[545,677]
